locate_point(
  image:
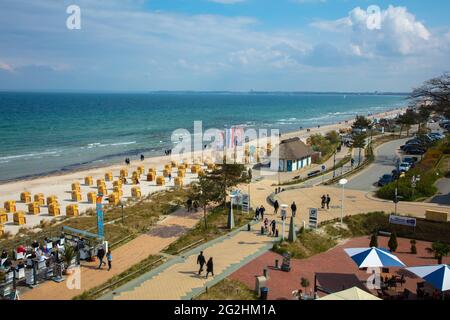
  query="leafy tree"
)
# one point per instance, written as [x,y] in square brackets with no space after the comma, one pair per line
[423,115]
[439,250]
[359,141]
[373,241]
[333,137]
[361,122]
[304,283]
[435,93]
[205,192]
[406,120]
[227,176]
[392,243]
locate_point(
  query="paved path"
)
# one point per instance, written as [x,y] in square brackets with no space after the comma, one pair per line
[443,197]
[178,279]
[385,161]
[124,257]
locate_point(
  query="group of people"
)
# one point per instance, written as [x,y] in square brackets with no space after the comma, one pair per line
[259,213]
[326,201]
[201,260]
[168,152]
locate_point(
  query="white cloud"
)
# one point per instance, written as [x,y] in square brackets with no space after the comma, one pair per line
[399,33]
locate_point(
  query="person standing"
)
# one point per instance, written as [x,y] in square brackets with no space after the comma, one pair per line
[324,200]
[294,209]
[170,176]
[276,206]
[273,226]
[142,157]
[201,261]
[328,201]
[189,204]
[100,256]
[257,213]
[209,267]
[261,212]
[109,258]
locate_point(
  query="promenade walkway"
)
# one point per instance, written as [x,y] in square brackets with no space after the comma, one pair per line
[124,257]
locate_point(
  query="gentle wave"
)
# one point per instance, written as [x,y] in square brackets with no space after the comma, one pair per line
[28,155]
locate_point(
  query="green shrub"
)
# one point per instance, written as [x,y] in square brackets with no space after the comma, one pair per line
[392,243]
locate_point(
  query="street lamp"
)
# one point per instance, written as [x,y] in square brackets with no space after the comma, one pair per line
[342,182]
[283,219]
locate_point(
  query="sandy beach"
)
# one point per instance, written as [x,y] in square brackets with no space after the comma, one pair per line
[60,184]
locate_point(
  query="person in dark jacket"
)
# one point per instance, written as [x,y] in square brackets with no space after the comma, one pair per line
[209,267]
[328,201]
[276,206]
[294,209]
[261,212]
[100,256]
[201,261]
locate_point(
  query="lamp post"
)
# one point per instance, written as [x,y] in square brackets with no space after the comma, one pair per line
[121,206]
[342,182]
[230,215]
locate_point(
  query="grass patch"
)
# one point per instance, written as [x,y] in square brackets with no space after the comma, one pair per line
[369,223]
[308,243]
[135,271]
[217,226]
[228,289]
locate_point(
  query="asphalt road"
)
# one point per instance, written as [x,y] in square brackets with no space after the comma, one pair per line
[443,186]
[385,161]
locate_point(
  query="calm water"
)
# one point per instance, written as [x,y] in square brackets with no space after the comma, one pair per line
[44,132]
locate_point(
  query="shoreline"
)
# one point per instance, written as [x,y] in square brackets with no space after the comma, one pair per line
[110,165]
[60,184]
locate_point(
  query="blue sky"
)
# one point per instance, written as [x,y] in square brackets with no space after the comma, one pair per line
[239,45]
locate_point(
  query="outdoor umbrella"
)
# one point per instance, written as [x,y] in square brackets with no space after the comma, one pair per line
[350,294]
[437,275]
[373,258]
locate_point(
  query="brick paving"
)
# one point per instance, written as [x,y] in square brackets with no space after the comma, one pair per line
[179,280]
[334,267]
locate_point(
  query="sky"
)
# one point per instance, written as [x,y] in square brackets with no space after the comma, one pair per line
[213,45]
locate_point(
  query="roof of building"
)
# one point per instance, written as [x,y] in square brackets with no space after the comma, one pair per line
[293,149]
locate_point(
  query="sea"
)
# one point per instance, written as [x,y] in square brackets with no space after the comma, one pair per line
[46,133]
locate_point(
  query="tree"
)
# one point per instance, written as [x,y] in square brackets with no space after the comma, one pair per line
[423,115]
[392,243]
[359,141]
[361,122]
[227,176]
[373,241]
[435,93]
[407,119]
[304,283]
[333,137]
[439,250]
[205,192]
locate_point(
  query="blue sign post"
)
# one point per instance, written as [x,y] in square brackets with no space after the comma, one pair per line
[100,228]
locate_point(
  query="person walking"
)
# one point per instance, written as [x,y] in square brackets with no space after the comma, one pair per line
[100,256]
[273,226]
[328,201]
[201,261]
[142,157]
[324,200]
[261,212]
[109,258]
[294,209]
[276,206]
[257,213]
[170,176]
[189,204]
[209,267]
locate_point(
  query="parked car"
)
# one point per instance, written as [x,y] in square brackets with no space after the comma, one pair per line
[437,135]
[410,161]
[385,179]
[414,150]
[404,167]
